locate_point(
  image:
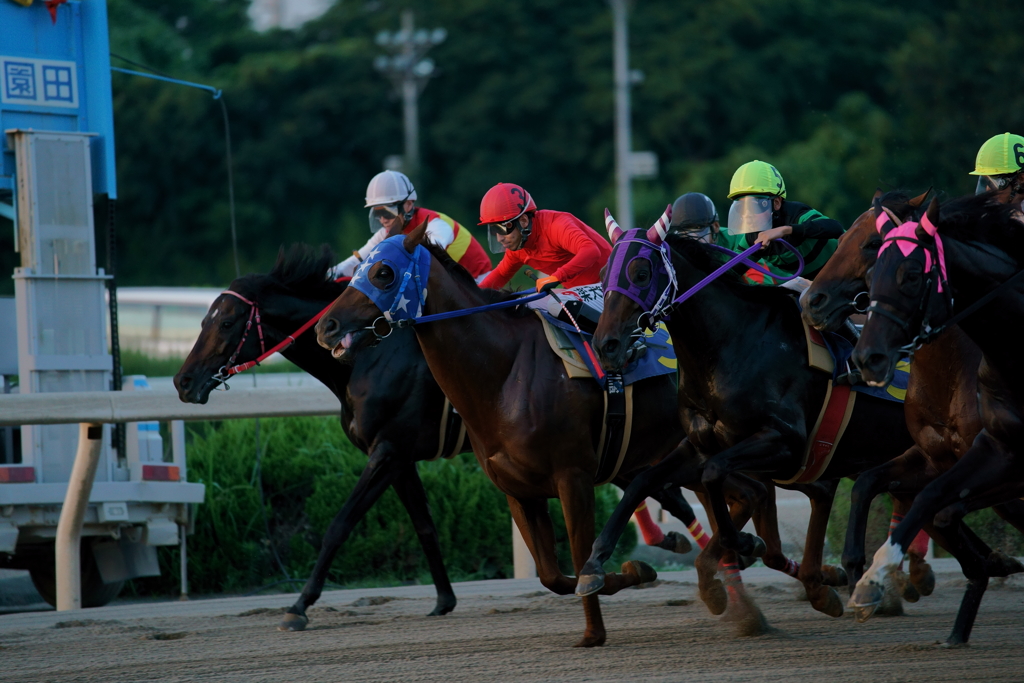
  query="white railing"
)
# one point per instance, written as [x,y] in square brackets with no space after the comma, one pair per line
[92,409]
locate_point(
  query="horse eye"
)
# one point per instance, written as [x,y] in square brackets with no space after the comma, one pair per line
[225,324]
[384,276]
[873,245]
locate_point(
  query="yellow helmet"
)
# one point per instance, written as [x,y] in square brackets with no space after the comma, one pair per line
[757,177]
[1000,154]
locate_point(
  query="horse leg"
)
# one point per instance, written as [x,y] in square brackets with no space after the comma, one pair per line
[672,499]
[576,493]
[969,551]
[375,479]
[592,578]
[410,491]
[823,598]
[984,467]
[763,452]
[869,484]
[534,521]
[746,494]
[766,522]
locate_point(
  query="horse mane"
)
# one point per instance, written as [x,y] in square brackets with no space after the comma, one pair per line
[706,259]
[491,296]
[976,218]
[303,268]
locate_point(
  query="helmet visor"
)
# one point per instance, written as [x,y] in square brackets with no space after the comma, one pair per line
[380,213]
[496,230]
[751,213]
[988,183]
[694,232]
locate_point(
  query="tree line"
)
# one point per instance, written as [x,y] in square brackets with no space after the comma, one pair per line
[843,96]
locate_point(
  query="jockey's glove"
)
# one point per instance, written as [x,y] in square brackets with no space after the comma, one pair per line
[545,284]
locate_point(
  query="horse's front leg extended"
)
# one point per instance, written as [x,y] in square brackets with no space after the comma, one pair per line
[375,479]
[576,493]
[534,522]
[592,577]
[765,452]
[410,491]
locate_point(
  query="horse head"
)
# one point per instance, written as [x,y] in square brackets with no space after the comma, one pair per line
[637,280]
[910,267]
[390,285]
[841,287]
[249,316]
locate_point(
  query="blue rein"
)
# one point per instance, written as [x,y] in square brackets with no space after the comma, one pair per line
[523,298]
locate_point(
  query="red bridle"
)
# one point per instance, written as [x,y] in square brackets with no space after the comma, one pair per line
[254,314]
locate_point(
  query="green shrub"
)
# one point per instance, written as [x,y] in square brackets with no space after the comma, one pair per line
[307,469]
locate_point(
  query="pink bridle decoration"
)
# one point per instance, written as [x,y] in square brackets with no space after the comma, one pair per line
[905,238]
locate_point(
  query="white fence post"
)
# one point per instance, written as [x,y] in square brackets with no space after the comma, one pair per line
[72,514]
[522,561]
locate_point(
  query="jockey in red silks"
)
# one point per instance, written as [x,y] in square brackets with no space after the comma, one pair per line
[556,243]
[569,253]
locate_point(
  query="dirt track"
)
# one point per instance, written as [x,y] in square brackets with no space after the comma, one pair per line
[659,634]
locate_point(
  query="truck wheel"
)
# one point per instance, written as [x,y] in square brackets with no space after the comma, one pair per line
[95,593]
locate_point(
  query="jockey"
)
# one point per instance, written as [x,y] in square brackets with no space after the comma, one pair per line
[761,213]
[391,199]
[568,251]
[1000,165]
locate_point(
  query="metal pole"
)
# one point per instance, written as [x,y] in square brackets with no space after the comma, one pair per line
[410,96]
[72,514]
[623,145]
[182,529]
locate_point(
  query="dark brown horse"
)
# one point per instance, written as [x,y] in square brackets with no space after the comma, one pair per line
[748,399]
[956,267]
[942,396]
[535,431]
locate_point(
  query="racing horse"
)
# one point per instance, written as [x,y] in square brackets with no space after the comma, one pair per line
[391,408]
[941,402]
[964,268]
[535,431]
[747,398]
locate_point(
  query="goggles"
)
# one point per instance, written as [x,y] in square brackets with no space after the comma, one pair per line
[989,183]
[750,213]
[505,228]
[383,212]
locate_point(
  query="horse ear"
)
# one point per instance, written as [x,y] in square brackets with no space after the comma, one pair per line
[614,231]
[930,220]
[415,238]
[878,194]
[659,231]
[883,219]
[917,201]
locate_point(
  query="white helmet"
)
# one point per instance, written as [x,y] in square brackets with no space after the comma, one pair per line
[389,187]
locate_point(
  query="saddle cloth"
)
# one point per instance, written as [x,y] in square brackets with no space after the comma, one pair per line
[830,352]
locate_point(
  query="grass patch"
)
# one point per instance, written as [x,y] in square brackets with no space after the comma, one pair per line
[307,470]
[137,363]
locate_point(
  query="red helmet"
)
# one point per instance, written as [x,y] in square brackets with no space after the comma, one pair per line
[503,202]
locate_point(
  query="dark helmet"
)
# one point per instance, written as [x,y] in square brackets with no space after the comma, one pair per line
[693,211]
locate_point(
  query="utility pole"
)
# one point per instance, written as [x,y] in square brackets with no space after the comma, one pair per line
[408,69]
[623,144]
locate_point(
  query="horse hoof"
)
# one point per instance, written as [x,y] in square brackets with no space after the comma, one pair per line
[293,622]
[644,572]
[750,545]
[675,542]
[715,597]
[1000,564]
[591,641]
[745,561]
[589,584]
[833,606]
[833,576]
[923,578]
[866,599]
[444,606]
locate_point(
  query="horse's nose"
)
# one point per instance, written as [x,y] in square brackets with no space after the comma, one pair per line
[874,367]
[185,381]
[817,300]
[330,326]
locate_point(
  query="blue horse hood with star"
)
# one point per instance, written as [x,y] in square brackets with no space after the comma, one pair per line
[404,297]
